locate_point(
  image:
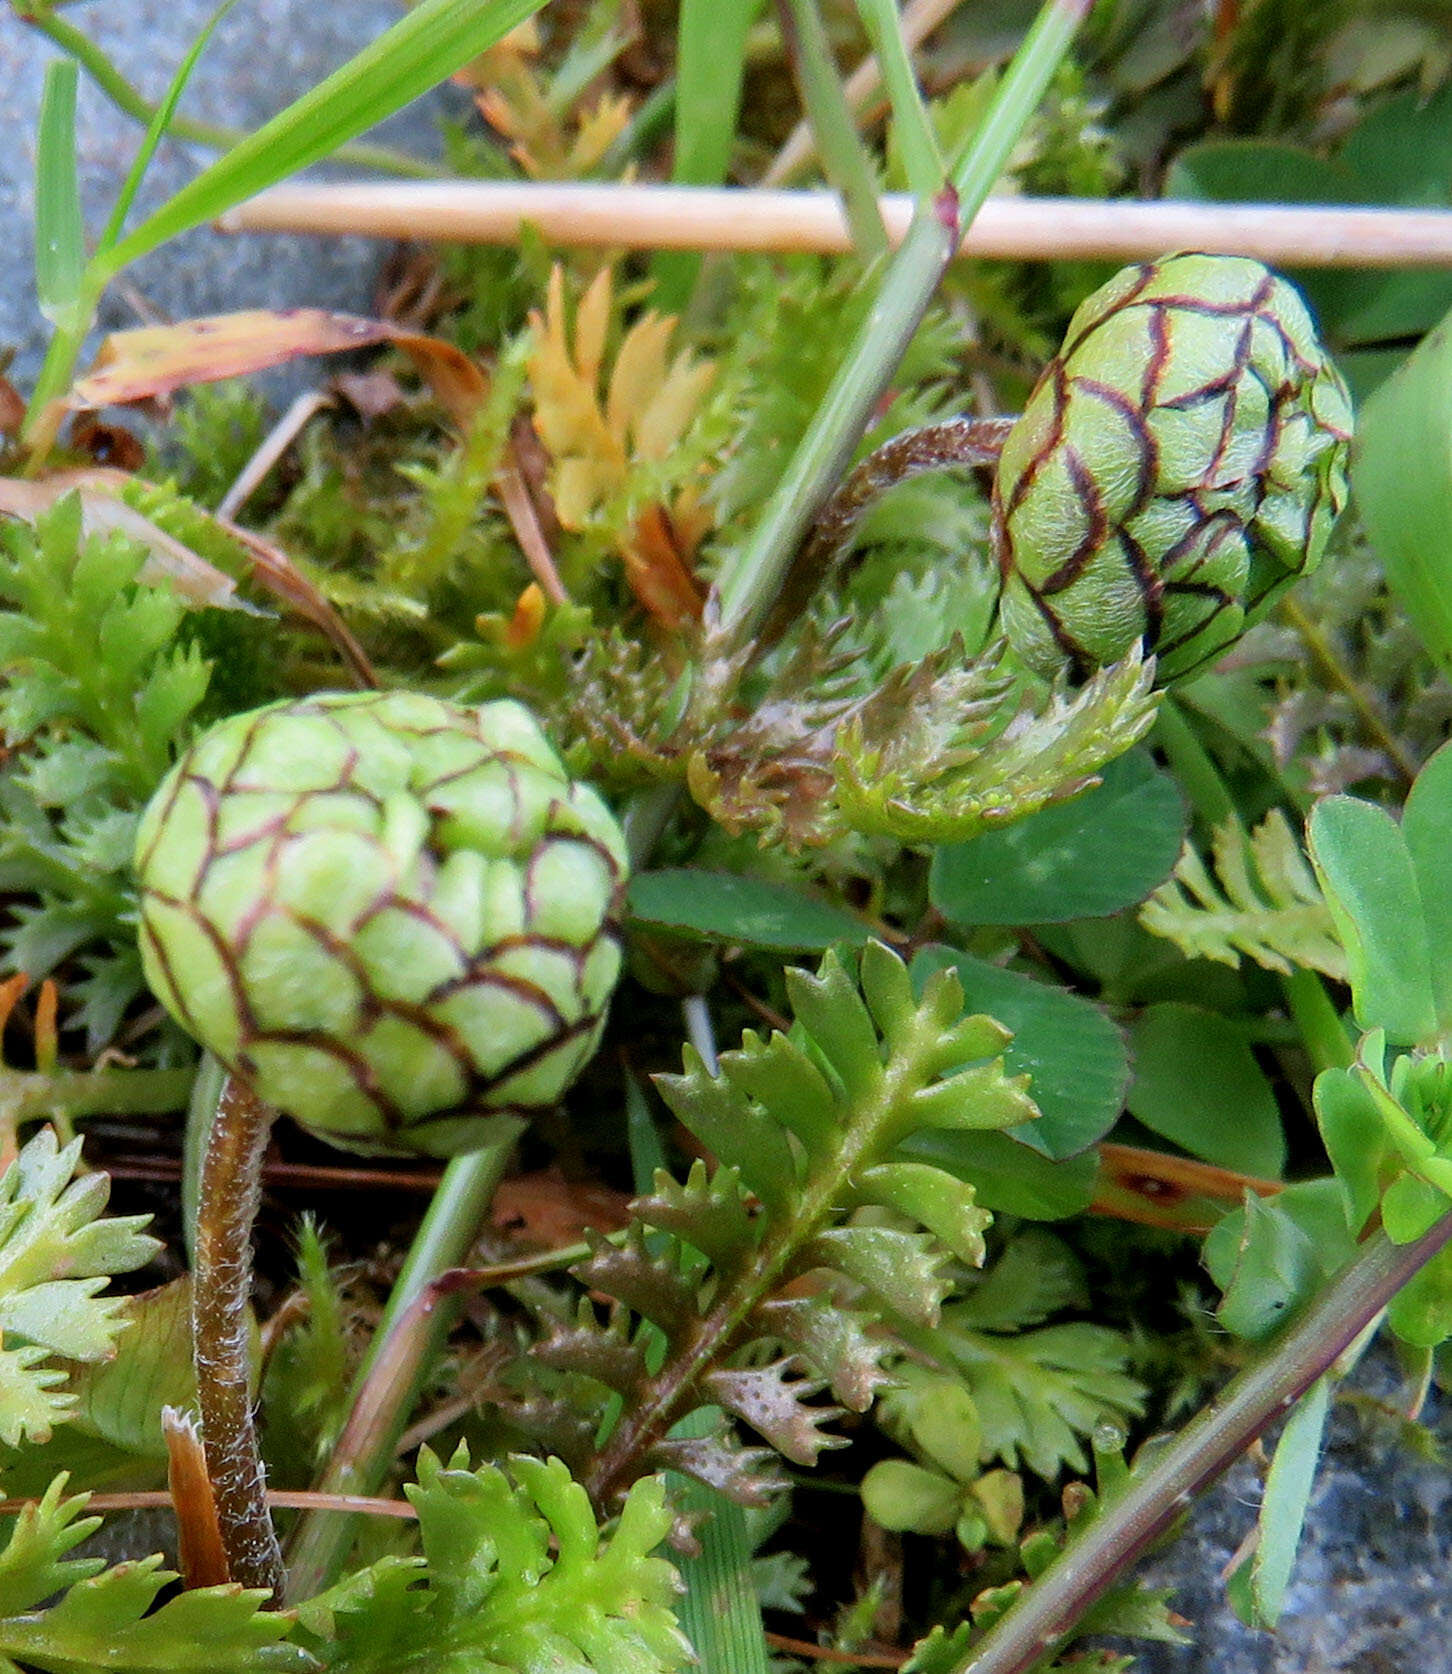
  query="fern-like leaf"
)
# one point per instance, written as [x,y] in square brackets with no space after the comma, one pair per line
[87,644]
[105,1618]
[734,1267]
[935,751]
[100,690]
[514,1575]
[1030,1397]
[1267,904]
[55,1254]
[1040,1393]
[940,750]
[903,771]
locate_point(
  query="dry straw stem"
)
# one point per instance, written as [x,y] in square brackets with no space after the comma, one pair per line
[726,219]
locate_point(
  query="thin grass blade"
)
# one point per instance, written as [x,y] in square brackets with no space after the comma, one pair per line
[161,121]
[421,50]
[720,1612]
[750,587]
[60,246]
[926,169]
[846,160]
[710,63]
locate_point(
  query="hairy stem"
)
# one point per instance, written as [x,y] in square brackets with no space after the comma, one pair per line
[1208,1445]
[221,1281]
[933,447]
[404,1350]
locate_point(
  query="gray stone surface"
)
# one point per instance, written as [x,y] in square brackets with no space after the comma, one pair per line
[263,54]
[1372,1588]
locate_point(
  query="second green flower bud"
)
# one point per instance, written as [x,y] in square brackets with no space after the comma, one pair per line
[1181,460]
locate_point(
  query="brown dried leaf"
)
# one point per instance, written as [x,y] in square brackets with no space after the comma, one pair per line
[202,1557]
[658,562]
[545,1208]
[154,361]
[276,572]
[12,408]
[458,383]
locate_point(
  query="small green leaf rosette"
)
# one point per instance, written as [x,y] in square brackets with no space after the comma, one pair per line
[393,916]
[1181,460]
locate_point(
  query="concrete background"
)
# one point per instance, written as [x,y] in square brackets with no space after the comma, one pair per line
[262,55]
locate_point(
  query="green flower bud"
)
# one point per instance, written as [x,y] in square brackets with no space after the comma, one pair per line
[393,916]
[1179,463]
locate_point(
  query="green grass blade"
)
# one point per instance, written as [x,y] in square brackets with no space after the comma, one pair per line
[60,246]
[845,159]
[916,139]
[720,1612]
[750,586]
[710,62]
[107,79]
[422,49]
[161,121]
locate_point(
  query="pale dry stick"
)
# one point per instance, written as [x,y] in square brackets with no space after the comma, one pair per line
[572,214]
[519,508]
[276,443]
[920,19]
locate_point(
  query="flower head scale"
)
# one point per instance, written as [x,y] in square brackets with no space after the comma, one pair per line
[394,916]
[1179,462]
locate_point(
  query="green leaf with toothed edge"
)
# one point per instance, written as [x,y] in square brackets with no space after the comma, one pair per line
[56,1252]
[108,1618]
[516,1574]
[810,1123]
[1009,1177]
[932,1198]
